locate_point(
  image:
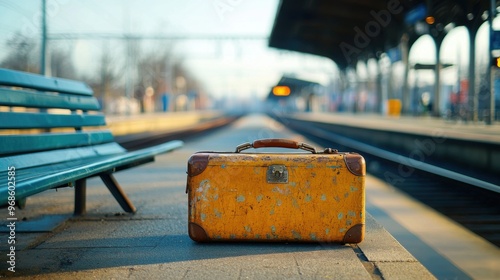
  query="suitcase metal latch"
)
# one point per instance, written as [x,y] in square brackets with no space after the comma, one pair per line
[277,174]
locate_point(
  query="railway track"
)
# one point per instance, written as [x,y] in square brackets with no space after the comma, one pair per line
[147,139]
[470,201]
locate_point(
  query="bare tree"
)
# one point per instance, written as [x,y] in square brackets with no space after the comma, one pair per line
[21,54]
[61,64]
[153,70]
[107,72]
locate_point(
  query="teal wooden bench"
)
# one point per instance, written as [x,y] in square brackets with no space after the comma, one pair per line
[52,135]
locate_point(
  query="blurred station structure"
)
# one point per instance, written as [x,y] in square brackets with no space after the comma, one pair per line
[356,34]
[295,95]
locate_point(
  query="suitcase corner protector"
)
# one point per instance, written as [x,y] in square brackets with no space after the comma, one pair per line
[355,234]
[197,163]
[355,164]
[197,233]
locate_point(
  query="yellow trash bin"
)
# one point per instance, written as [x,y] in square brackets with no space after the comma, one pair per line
[394,107]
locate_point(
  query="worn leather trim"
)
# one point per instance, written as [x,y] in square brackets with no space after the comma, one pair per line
[355,163]
[197,163]
[355,234]
[197,233]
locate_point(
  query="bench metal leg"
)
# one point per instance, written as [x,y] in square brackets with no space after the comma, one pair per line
[21,203]
[120,196]
[80,197]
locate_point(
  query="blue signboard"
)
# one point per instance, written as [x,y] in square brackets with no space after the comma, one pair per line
[495,40]
[394,54]
[416,14]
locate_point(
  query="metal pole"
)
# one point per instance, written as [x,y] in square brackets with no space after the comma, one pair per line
[129,85]
[490,118]
[44,38]
[405,54]
[379,88]
[436,112]
[472,107]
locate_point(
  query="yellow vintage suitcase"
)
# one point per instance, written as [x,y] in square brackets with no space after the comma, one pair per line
[303,196]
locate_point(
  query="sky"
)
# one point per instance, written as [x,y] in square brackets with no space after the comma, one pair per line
[225,67]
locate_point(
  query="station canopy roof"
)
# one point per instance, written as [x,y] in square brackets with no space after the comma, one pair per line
[350,30]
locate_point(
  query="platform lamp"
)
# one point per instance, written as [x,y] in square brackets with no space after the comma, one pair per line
[495,62]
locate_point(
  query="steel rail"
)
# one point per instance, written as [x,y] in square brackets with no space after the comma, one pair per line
[420,165]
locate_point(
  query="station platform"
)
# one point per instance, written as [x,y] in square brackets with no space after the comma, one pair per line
[425,126]
[130,125]
[154,244]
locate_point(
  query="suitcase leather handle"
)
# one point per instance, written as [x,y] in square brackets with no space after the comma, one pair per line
[276,143]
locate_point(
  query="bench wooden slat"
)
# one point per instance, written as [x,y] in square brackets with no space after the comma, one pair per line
[23,98]
[15,144]
[57,156]
[50,176]
[11,120]
[38,82]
